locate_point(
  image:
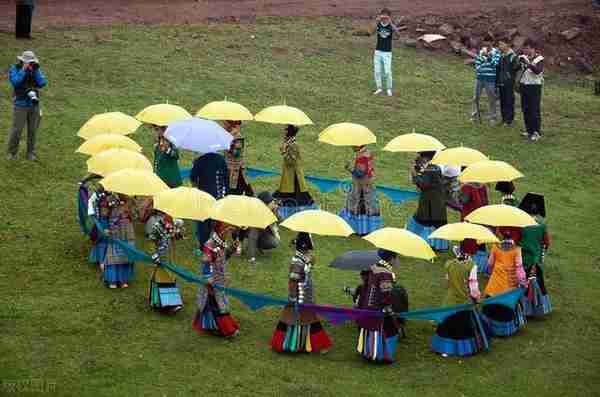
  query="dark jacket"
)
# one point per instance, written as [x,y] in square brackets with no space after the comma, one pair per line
[210,174]
[507,69]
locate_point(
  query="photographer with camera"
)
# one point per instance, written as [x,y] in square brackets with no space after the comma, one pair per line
[26,78]
[530,86]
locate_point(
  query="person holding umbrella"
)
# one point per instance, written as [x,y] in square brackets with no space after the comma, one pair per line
[166,159]
[264,239]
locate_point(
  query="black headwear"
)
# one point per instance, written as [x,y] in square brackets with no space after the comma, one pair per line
[265,197]
[386,255]
[428,154]
[303,242]
[505,187]
[292,130]
[533,204]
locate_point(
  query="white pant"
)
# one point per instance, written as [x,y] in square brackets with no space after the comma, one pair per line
[382,60]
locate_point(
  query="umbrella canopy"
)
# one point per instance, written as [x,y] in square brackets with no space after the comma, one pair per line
[224,110]
[112,160]
[414,142]
[458,156]
[108,123]
[355,260]
[347,134]
[501,215]
[185,202]
[102,142]
[134,182]
[463,230]
[489,171]
[243,211]
[199,135]
[318,222]
[283,114]
[163,114]
[401,241]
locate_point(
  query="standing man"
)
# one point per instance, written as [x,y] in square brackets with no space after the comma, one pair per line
[26,78]
[382,60]
[485,68]
[23,19]
[505,79]
[530,87]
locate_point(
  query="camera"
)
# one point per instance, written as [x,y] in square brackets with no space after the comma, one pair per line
[33,95]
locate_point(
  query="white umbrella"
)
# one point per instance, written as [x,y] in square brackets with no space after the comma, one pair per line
[198,135]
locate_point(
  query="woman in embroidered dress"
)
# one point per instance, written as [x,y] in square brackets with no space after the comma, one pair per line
[163,294]
[362,206]
[213,314]
[299,329]
[118,269]
[506,264]
[166,159]
[378,338]
[473,196]
[463,333]
[292,193]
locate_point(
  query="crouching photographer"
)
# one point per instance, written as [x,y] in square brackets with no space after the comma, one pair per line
[26,78]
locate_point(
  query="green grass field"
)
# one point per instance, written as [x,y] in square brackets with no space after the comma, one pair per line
[64,333]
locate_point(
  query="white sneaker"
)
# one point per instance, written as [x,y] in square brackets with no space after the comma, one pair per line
[378,91]
[534,137]
[389,92]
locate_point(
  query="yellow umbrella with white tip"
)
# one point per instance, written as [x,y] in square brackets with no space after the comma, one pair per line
[185,202]
[414,142]
[102,142]
[283,114]
[112,160]
[489,171]
[133,182]
[163,114]
[347,134]
[108,123]
[224,110]
[463,230]
[401,241]
[243,211]
[501,215]
[318,222]
[458,156]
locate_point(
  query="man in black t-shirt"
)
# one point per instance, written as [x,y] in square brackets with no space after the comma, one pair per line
[382,60]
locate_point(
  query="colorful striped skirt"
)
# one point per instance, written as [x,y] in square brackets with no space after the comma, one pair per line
[300,338]
[362,224]
[503,320]
[210,319]
[462,334]
[379,345]
[535,302]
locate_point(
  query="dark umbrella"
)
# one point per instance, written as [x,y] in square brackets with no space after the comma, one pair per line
[355,260]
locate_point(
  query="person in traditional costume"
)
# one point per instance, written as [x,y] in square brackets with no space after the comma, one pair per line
[293,193]
[299,329]
[97,208]
[506,264]
[210,174]
[507,188]
[260,240]
[237,175]
[431,212]
[362,206]
[452,186]
[463,333]
[534,243]
[213,314]
[166,159]
[378,337]
[118,268]
[163,294]
[473,196]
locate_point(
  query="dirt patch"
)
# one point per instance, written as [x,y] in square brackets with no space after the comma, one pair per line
[465,22]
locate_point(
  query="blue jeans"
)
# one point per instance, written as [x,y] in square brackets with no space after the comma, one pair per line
[382,61]
[492,95]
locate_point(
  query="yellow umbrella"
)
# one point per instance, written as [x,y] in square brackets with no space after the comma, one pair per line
[318,222]
[134,182]
[108,123]
[103,142]
[243,211]
[225,110]
[163,114]
[185,202]
[458,156]
[112,160]
[347,134]
[501,215]
[489,171]
[283,114]
[402,242]
[413,142]
[463,230]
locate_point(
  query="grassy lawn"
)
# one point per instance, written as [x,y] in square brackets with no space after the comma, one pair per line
[59,325]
